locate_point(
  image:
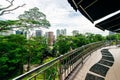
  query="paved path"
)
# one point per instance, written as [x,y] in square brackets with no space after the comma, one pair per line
[113,72]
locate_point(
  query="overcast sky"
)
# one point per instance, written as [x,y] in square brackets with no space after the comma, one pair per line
[60,14]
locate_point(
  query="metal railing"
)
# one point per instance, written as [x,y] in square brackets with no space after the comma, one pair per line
[61,67]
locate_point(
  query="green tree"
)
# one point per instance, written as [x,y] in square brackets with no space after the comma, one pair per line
[80,40]
[90,37]
[62,45]
[111,37]
[33,18]
[37,49]
[99,37]
[7,24]
[4,25]
[11,56]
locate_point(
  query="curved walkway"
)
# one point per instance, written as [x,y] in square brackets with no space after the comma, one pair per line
[108,64]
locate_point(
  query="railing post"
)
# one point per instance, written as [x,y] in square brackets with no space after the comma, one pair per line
[60,70]
[82,60]
[44,75]
[82,56]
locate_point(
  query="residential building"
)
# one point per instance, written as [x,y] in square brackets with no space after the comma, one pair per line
[75,32]
[38,33]
[58,32]
[51,38]
[19,32]
[61,32]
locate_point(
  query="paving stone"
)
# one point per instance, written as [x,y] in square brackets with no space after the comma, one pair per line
[105,63]
[93,77]
[99,69]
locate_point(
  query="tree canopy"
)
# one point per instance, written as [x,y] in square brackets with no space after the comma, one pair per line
[7,24]
[16,51]
[33,18]
[11,54]
[64,44]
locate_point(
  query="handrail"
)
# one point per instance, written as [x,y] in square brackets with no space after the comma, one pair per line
[62,65]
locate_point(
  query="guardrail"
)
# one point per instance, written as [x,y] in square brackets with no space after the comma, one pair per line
[61,67]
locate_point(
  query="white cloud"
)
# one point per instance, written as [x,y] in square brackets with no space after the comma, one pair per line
[59,13]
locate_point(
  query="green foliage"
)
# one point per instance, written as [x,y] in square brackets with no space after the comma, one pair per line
[15,51]
[33,18]
[64,44]
[80,40]
[10,57]
[6,25]
[51,73]
[48,59]
[30,19]
[38,49]
[113,37]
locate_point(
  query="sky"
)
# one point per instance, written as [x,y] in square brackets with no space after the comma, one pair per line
[60,14]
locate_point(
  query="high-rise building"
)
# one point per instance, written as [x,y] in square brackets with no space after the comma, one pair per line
[61,32]
[38,33]
[51,38]
[46,34]
[58,32]
[75,32]
[110,32]
[21,32]
[64,32]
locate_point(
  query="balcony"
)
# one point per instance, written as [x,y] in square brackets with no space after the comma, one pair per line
[81,63]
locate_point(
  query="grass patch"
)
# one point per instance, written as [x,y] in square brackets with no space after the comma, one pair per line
[99,69]
[93,77]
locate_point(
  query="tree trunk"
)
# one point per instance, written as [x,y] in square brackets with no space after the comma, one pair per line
[28,62]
